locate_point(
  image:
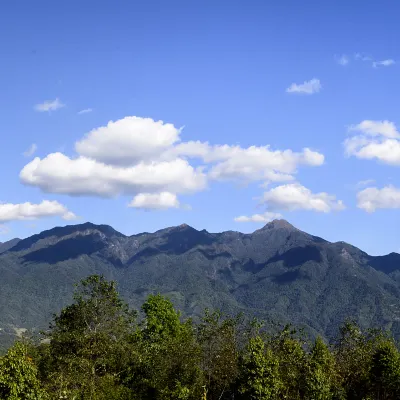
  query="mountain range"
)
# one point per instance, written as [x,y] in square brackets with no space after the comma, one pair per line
[277,272]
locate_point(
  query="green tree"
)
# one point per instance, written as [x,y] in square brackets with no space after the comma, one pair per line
[89,343]
[353,352]
[320,376]
[165,364]
[385,372]
[18,376]
[289,348]
[260,372]
[220,342]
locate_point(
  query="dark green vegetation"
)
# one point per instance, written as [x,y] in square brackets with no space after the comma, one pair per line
[277,273]
[96,348]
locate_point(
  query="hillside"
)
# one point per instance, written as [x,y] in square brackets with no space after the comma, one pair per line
[276,272]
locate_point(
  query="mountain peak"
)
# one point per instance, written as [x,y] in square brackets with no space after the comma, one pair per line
[279,224]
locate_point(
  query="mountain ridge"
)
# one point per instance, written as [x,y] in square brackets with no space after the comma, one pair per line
[277,272]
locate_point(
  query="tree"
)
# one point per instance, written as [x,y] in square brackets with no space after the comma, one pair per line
[385,372]
[18,376]
[353,352]
[219,340]
[260,372]
[167,356]
[289,348]
[89,340]
[320,373]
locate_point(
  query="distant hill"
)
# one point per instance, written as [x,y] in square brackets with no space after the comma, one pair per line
[276,272]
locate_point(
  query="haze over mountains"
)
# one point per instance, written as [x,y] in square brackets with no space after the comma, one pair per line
[276,272]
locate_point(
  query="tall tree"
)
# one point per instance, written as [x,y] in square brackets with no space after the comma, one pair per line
[166,363]
[89,339]
[385,372]
[260,372]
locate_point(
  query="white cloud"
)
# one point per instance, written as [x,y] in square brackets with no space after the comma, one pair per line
[49,105]
[293,196]
[27,211]
[365,182]
[378,140]
[155,201]
[264,218]
[128,141]
[376,128]
[371,199]
[58,173]
[384,63]
[85,111]
[375,63]
[140,156]
[307,87]
[342,60]
[31,150]
[249,164]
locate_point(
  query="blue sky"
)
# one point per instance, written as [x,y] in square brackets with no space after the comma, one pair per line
[221,71]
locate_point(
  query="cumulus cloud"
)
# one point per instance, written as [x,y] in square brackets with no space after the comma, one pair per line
[384,63]
[376,128]
[293,196]
[264,217]
[31,150]
[134,155]
[128,141]
[58,173]
[376,140]
[372,198]
[307,87]
[49,105]
[28,211]
[342,60]
[85,111]
[155,201]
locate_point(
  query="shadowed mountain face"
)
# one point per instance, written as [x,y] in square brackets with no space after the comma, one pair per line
[277,272]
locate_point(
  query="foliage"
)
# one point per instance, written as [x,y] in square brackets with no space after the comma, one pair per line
[19,376]
[98,349]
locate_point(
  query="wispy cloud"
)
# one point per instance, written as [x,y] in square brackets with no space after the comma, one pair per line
[383,63]
[308,87]
[375,63]
[342,60]
[85,111]
[49,105]
[365,183]
[362,57]
[31,150]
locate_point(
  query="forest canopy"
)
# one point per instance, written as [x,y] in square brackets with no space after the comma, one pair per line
[97,348]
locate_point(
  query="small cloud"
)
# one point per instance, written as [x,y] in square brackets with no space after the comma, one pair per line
[155,201]
[28,211]
[293,196]
[383,63]
[307,87]
[264,218]
[85,111]
[31,150]
[49,105]
[362,57]
[372,198]
[365,183]
[342,60]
